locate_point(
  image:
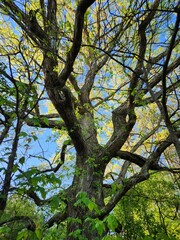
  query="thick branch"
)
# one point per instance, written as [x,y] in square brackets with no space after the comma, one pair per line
[57,218]
[137,178]
[161,148]
[62,100]
[137,159]
[51,13]
[96,66]
[142,50]
[168,56]
[126,164]
[27,22]
[59,94]
[122,128]
[50,115]
[43,10]
[77,39]
[43,124]
[89,80]
[132,181]
[27,221]
[38,201]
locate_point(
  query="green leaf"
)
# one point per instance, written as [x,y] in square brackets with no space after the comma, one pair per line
[67,142]
[91,206]
[99,226]
[38,233]
[4,229]
[45,120]
[55,202]
[36,122]
[15,168]
[23,235]
[35,138]
[34,181]
[23,134]
[42,191]
[22,160]
[30,172]
[112,222]
[76,233]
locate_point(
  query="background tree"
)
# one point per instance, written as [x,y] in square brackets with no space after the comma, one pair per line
[103,75]
[19,216]
[147,213]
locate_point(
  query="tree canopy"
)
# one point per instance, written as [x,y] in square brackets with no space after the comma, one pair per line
[89,109]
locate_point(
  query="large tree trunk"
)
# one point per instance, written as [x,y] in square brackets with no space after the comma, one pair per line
[89,172]
[89,180]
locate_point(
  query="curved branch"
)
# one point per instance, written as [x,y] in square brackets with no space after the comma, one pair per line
[27,22]
[137,159]
[142,50]
[77,39]
[168,56]
[132,181]
[57,218]
[38,201]
[161,148]
[122,128]
[29,223]
[164,100]
[96,66]
[126,164]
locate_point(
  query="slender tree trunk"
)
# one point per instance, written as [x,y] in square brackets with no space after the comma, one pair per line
[7,180]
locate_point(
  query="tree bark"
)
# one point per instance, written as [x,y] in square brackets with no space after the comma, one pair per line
[89,180]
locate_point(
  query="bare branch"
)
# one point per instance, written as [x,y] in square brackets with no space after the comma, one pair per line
[165,69]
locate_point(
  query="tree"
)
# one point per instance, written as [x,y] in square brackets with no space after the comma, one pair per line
[19,215]
[108,74]
[147,213]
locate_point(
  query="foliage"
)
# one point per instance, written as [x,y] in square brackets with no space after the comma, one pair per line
[16,207]
[89,110]
[147,213]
